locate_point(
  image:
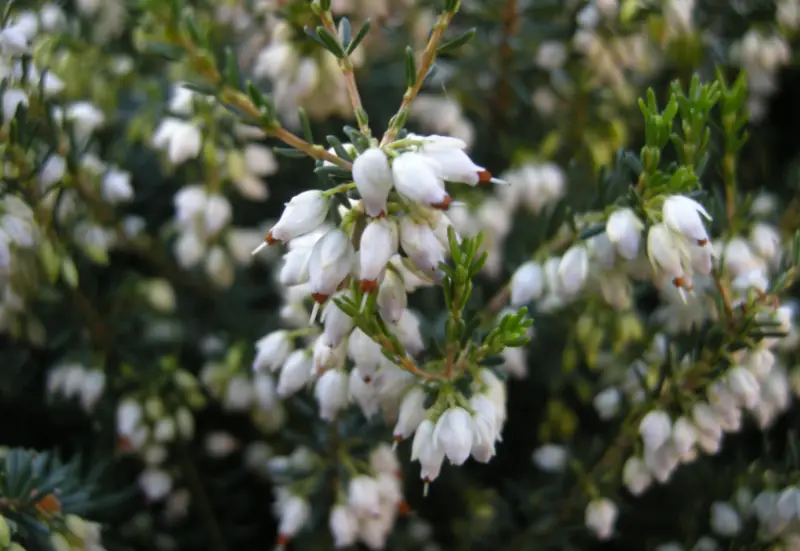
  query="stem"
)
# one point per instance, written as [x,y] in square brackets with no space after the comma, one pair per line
[216,539]
[729,176]
[238,99]
[428,57]
[404,361]
[346,65]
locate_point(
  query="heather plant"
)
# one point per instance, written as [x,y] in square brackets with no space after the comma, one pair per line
[399,274]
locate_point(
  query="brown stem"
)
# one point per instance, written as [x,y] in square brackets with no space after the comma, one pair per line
[428,57]
[404,361]
[510,26]
[346,65]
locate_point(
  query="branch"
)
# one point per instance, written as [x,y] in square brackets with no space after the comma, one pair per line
[428,57]
[346,65]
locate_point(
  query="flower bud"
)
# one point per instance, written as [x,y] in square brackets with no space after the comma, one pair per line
[607,403]
[408,332]
[416,178]
[709,434]
[373,179]
[375,251]
[331,394]
[293,513]
[330,263]
[684,438]
[766,241]
[303,214]
[683,215]
[527,284]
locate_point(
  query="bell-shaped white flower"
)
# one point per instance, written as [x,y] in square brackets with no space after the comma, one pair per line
[420,244]
[744,386]
[375,250]
[303,214]
[665,253]
[624,230]
[527,284]
[486,427]
[573,270]
[331,394]
[337,323]
[330,263]
[363,495]
[373,178]
[453,164]
[551,458]
[294,270]
[636,476]
[655,429]
[408,333]
[294,512]
[725,521]
[343,524]
[684,438]
[295,373]
[600,517]
[416,178]
[365,353]
[392,297]
[427,451]
[328,357]
[454,434]
[410,414]
[685,216]
[364,394]
[709,429]
[12,99]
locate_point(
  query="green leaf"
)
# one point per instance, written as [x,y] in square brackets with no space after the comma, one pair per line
[289,152]
[344,32]
[306,123]
[456,43]
[330,42]
[231,72]
[362,33]
[411,68]
[203,88]
[169,52]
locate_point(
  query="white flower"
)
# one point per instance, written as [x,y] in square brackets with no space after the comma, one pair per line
[410,414]
[665,252]
[294,513]
[607,403]
[452,163]
[420,244]
[416,177]
[220,444]
[331,393]
[426,450]
[13,41]
[330,263]
[527,283]
[272,350]
[683,215]
[600,518]
[376,248]
[624,230]
[766,241]
[52,170]
[129,415]
[392,297]
[655,429]
[363,495]
[343,524]
[337,323]
[725,520]
[295,373]
[408,333]
[373,179]
[365,353]
[709,434]
[12,99]
[744,386]
[217,214]
[636,476]
[156,484]
[551,458]
[573,270]
[454,434]
[487,424]
[684,438]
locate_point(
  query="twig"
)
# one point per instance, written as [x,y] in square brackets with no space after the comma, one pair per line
[216,538]
[428,57]
[230,95]
[404,361]
[346,65]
